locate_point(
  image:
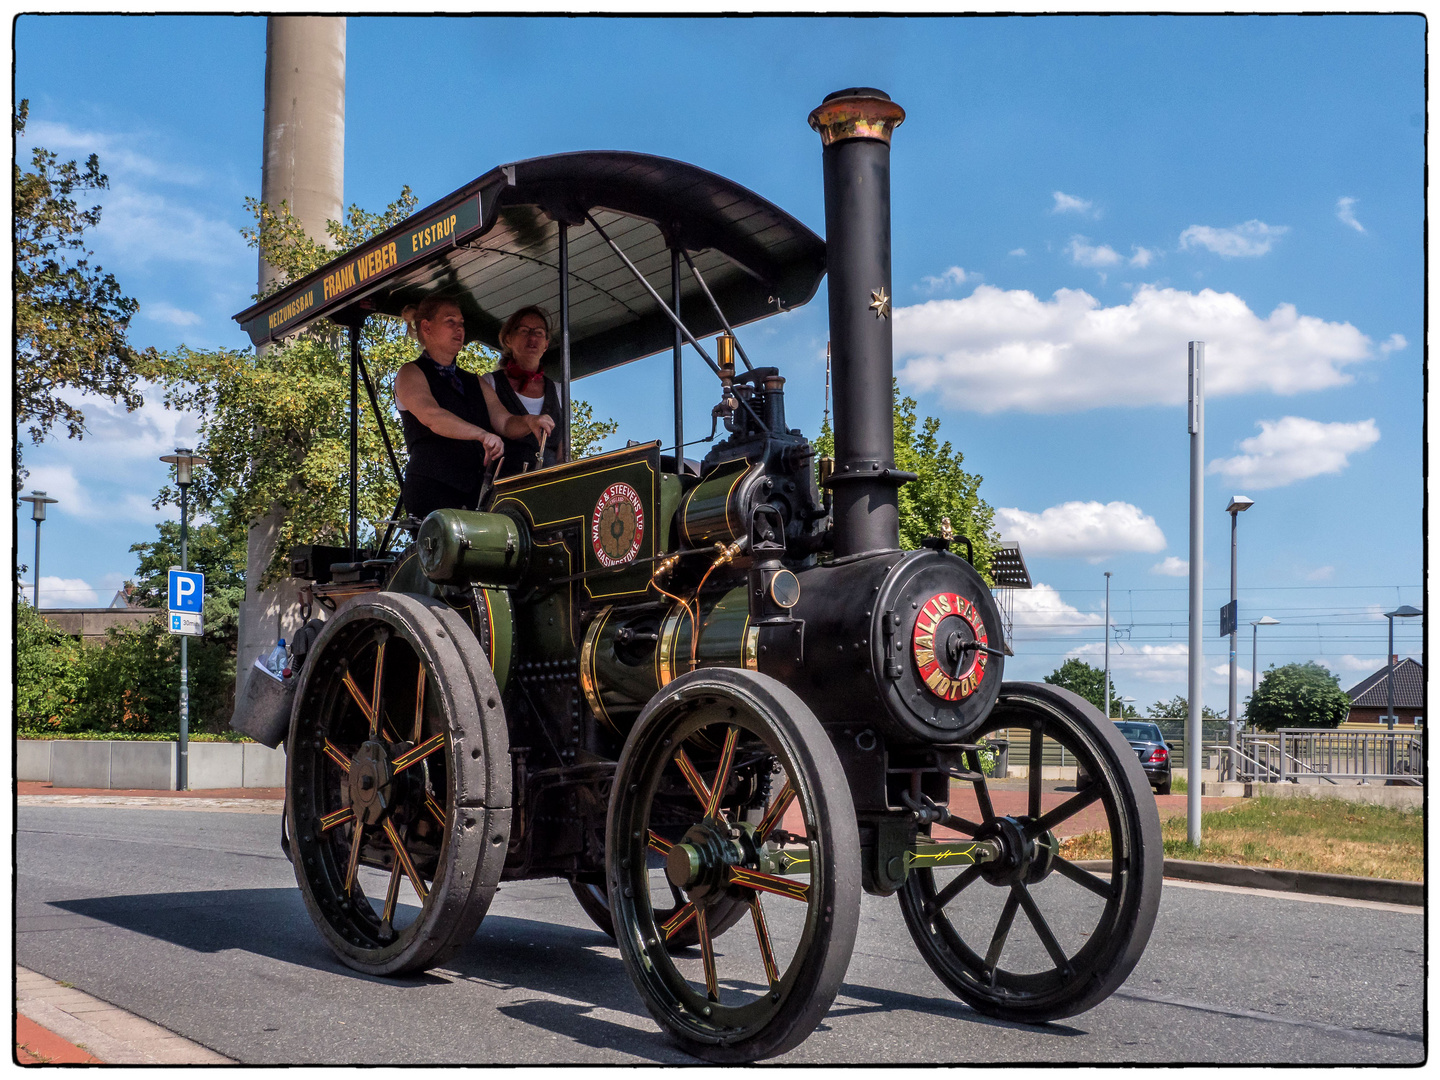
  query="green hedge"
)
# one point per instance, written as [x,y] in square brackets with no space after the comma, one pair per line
[134,736]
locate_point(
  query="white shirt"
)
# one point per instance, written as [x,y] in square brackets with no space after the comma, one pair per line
[533,405]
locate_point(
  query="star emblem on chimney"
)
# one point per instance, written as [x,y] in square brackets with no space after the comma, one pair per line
[880,303]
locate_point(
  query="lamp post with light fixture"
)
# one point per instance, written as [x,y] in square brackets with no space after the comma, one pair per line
[38,500]
[1238,503]
[1404,611]
[184,461]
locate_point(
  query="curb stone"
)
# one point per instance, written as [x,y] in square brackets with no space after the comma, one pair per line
[1346,886]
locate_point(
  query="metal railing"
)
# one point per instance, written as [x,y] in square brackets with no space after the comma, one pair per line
[1310,755]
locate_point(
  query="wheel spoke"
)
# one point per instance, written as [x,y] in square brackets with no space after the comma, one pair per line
[955,821]
[339,817]
[1068,808]
[982,792]
[707,955]
[771,883]
[379,681]
[762,935]
[658,843]
[692,777]
[1042,928]
[1037,756]
[949,892]
[357,841]
[679,920]
[722,772]
[335,754]
[418,753]
[1002,931]
[364,705]
[404,858]
[1078,874]
[392,895]
[775,813]
[419,702]
[436,810]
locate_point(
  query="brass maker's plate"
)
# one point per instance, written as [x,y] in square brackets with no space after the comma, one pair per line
[947,622]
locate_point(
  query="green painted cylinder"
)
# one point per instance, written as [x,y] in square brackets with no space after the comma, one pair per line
[715,509]
[628,656]
[463,546]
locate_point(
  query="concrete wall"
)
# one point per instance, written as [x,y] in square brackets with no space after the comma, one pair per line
[1399,796]
[147,766]
[90,624]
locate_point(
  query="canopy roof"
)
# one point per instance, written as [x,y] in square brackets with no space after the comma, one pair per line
[494,246]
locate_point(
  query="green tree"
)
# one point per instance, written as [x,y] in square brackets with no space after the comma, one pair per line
[71,318]
[48,676]
[1296,696]
[1178,708]
[1089,682]
[944,489]
[587,433]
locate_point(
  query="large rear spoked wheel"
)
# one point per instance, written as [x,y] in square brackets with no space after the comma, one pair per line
[1032,937]
[397,784]
[729,800]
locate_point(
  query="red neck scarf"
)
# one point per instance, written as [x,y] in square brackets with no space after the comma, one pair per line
[517,373]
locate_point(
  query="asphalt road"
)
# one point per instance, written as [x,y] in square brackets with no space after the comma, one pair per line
[193,920]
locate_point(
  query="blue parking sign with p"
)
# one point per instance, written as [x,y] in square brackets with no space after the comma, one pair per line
[187,591]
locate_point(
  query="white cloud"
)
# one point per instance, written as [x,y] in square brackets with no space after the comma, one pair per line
[144,226]
[1144,663]
[1249,239]
[63,592]
[1345,211]
[1349,663]
[1006,349]
[1321,573]
[1394,343]
[169,313]
[1089,530]
[1041,608]
[1071,204]
[1017,251]
[118,156]
[1294,448]
[1083,253]
[1172,566]
[953,276]
[1142,257]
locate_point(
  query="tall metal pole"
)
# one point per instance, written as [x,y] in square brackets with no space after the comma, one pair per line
[354,441]
[1107,644]
[679,344]
[35,589]
[1234,635]
[1197,575]
[182,764]
[1254,656]
[1389,658]
[566,442]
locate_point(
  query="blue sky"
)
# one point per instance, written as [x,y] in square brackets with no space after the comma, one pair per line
[1073,200]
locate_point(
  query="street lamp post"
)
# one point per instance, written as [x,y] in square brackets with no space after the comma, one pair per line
[1404,611]
[184,461]
[1107,643]
[1238,503]
[38,500]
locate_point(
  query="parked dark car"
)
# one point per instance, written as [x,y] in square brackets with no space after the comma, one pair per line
[1154,752]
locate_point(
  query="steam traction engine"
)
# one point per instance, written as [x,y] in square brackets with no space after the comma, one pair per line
[717,698]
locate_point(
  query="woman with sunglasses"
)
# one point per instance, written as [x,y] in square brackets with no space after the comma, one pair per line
[526,391]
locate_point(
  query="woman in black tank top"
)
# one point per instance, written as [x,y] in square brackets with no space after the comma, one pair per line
[449,417]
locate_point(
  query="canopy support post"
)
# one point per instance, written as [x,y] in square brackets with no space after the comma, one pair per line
[354,437]
[565,338]
[679,344]
[714,304]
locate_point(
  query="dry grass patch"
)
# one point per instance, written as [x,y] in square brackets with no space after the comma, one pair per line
[1328,836]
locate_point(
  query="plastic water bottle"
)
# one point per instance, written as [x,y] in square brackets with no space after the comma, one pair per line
[276,661]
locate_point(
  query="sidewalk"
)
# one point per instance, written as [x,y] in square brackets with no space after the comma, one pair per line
[228,800]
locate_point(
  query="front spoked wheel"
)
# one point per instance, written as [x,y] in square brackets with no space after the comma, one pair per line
[1031,936]
[731,820]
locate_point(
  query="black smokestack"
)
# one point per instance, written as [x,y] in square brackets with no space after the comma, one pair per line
[855,127]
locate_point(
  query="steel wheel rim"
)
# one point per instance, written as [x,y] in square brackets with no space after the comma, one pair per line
[983,978]
[691,1007]
[333,733]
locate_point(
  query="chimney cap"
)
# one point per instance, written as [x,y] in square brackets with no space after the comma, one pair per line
[860,112]
[857,92]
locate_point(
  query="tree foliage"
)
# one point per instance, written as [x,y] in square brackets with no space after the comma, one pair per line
[944,489]
[71,318]
[1297,696]
[1178,708]
[48,679]
[1089,682]
[276,425]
